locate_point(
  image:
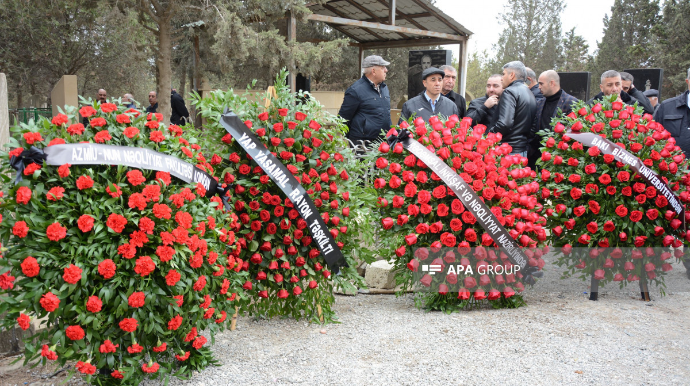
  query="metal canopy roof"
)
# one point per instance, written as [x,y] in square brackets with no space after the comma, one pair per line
[372,24]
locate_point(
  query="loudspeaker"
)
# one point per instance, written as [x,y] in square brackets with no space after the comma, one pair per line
[576,84]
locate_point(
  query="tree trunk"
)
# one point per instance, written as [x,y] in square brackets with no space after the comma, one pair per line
[20,94]
[182,73]
[164,66]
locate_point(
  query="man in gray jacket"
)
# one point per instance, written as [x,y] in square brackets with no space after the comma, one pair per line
[430,102]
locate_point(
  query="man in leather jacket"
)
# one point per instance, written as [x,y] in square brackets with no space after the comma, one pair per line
[517,109]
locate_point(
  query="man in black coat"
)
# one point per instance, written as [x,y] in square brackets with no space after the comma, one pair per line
[533,83]
[430,102]
[449,79]
[367,103]
[517,109]
[484,110]
[611,84]
[555,100]
[153,102]
[179,115]
[628,86]
[674,115]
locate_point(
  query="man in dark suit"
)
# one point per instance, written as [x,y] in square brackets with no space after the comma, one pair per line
[447,91]
[555,100]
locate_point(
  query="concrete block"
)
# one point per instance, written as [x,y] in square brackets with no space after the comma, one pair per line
[380,275]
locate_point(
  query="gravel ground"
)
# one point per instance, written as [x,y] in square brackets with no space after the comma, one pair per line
[559,338]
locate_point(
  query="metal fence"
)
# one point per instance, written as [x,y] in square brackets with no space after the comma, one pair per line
[26,114]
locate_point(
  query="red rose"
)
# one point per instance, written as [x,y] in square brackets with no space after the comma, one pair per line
[623,176]
[621,211]
[106,268]
[635,216]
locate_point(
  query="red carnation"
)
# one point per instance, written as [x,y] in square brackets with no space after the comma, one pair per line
[102,136]
[136,299]
[24,321]
[200,341]
[108,347]
[30,267]
[128,324]
[172,277]
[94,304]
[200,283]
[135,177]
[23,195]
[72,274]
[56,232]
[106,268]
[150,368]
[49,302]
[116,222]
[85,223]
[75,332]
[85,368]
[144,265]
[175,323]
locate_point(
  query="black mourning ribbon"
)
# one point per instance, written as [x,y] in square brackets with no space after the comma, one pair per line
[29,156]
[35,155]
[403,134]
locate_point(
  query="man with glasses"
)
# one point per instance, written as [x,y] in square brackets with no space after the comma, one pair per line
[447,91]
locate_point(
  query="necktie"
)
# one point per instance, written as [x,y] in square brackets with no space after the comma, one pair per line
[433,105]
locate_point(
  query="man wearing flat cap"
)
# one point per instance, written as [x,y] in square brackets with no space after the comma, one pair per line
[430,102]
[367,103]
[653,96]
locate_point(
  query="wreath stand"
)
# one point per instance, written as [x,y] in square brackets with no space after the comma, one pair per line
[271,94]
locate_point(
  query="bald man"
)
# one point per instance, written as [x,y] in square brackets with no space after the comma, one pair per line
[555,100]
[102,95]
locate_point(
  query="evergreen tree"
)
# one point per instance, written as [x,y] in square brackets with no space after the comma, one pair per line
[628,40]
[532,33]
[575,53]
[674,46]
